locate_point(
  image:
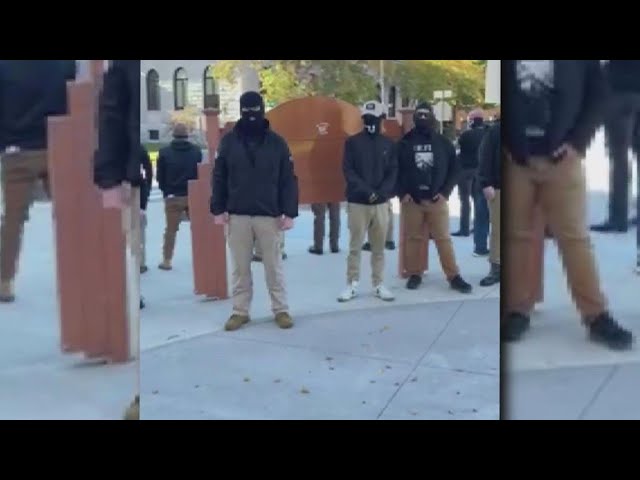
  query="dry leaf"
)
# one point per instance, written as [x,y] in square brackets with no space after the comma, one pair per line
[372,381]
[277,380]
[328,359]
[173,336]
[331,368]
[155,392]
[397,384]
[304,391]
[414,379]
[388,367]
[196,386]
[247,379]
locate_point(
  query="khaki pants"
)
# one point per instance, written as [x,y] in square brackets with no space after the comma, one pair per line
[436,216]
[372,220]
[390,223]
[174,209]
[494,240]
[319,212]
[19,175]
[243,232]
[143,237]
[258,251]
[561,191]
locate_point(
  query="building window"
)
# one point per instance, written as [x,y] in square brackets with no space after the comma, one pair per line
[154,135]
[392,103]
[180,86]
[211,97]
[405,102]
[153,91]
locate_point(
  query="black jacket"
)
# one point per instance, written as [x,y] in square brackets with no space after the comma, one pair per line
[469,143]
[177,164]
[624,75]
[370,165]
[118,158]
[147,169]
[30,92]
[444,173]
[577,109]
[489,169]
[254,182]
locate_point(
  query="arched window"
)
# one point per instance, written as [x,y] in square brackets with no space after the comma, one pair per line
[153,91]
[180,85]
[211,98]
[392,103]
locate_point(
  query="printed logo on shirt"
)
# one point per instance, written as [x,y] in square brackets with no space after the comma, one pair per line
[536,82]
[423,156]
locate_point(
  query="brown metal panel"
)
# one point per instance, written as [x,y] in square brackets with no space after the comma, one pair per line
[65,201]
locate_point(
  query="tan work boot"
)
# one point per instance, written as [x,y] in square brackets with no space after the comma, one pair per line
[133,411]
[6,291]
[165,265]
[284,320]
[235,322]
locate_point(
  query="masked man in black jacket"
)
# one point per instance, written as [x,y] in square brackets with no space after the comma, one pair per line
[429,170]
[255,193]
[177,164]
[30,92]
[488,179]
[370,168]
[553,108]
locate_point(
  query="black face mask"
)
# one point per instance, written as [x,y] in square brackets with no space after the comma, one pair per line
[372,124]
[424,122]
[252,112]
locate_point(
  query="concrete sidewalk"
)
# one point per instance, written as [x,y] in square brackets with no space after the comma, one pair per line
[433,353]
[554,372]
[37,381]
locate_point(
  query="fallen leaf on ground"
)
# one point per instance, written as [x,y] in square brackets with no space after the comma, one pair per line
[414,379]
[247,379]
[386,327]
[277,380]
[372,381]
[363,402]
[413,412]
[388,367]
[155,392]
[457,393]
[397,384]
[196,386]
[173,336]
[331,368]
[450,412]
[475,411]
[304,391]
[328,359]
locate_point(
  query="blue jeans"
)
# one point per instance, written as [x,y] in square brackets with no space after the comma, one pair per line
[480,219]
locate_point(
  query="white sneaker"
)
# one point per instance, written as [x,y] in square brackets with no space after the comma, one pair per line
[383,293]
[349,293]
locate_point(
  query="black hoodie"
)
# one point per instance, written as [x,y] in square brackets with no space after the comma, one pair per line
[254,176]
[439,167]
[30,92]
[490,155]
[177,164]
[469,144]
[624,75]
[118,156]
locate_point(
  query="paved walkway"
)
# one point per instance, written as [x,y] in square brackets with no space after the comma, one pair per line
[555,372]
[36,380]
[431,354]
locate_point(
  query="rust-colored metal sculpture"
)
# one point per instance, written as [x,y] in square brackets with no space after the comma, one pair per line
[90,241]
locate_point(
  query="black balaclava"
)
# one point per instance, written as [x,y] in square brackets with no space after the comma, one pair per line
[423,118]
[252,113]
[372,124]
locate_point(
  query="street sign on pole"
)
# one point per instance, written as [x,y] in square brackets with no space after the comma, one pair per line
[442,95]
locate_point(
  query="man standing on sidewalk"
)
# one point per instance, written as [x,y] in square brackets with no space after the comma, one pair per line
[319,213]
[621,116]
[255,193]
[30,92]
[489,183]
[553,108]
[427,174]
[370,168]
[145,193]
[177,164]
[469,143]
[117,164]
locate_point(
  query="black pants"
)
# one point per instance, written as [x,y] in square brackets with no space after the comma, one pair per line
[465,186]
[622,127]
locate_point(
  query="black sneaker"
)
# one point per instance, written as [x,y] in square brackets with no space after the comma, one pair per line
[256,258]
[315,251]
[607,331]
[142,304]
[492,278]
[390,245]
[335,249]
[461,233]
[366,247]
[284,256]
[514,326]
[414,282]
[457,283]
